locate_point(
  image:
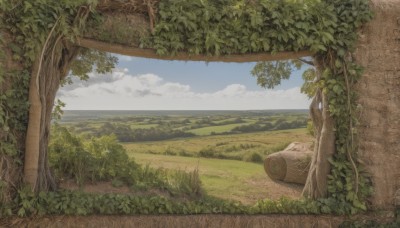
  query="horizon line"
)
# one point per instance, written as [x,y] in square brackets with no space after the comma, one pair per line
[183,109]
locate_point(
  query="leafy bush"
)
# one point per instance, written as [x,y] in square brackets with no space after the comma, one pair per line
[254,157]
[68,157]
[208,152]
[95,159]
[277,148]
[104,159]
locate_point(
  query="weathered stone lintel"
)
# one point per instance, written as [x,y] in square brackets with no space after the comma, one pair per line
[151,53]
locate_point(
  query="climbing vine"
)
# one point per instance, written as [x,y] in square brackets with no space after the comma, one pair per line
[212,27]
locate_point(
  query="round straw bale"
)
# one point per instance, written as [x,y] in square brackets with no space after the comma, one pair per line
[290,165]
[275,167]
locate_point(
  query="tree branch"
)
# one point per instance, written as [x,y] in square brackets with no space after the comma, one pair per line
[306,61]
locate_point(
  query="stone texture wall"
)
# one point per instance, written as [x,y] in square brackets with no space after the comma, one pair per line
[378,52]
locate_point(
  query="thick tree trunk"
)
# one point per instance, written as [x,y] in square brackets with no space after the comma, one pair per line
[32,142]
[324,147]
[56,70]
[46,77]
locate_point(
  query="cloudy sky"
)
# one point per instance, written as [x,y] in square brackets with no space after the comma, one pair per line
[147,84]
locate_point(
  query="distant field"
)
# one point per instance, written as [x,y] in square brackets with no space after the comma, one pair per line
[238,145]
[161,125]
[235,180]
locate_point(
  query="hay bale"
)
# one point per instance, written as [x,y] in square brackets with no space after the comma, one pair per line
[290,165]
[275,166]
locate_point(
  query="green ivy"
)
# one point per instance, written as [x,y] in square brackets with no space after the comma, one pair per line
[80,203]
[217,27]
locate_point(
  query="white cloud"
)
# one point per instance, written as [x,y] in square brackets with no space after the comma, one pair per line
[122,91]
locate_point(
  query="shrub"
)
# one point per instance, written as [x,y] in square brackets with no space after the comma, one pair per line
[207,152]
[169,151]
[104,159]
[254,157]
[181,182]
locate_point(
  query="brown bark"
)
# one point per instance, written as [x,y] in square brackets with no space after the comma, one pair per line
[316,185]
[56,68]
[47,74]
[151,53]
[32,142]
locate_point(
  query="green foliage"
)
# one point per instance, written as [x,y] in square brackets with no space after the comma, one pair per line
[270,74]
[80,203]
[91,61]
[57,110]
[125,133]
[31,21]
[180,182]
[104,159]
[309,86]
[347,186]
[95,159]
[254,157]
[238,26]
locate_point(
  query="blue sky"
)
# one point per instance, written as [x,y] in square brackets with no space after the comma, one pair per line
[203,77]
[149,84]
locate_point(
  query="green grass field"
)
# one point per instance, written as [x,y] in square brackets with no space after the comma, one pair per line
[228,179]
[235,180]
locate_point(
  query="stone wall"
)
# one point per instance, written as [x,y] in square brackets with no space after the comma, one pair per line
[378,52]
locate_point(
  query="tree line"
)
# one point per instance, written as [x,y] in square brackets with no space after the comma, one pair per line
[125,133]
